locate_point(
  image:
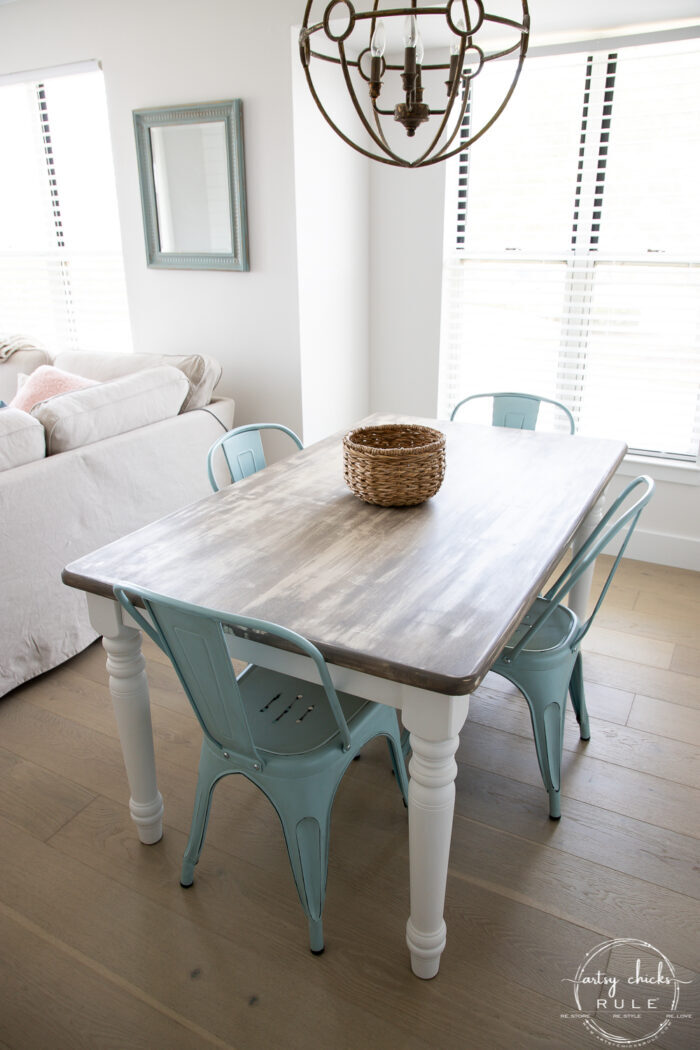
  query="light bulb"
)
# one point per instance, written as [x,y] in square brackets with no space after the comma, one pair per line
[420,50]
[378,40]
[410,31]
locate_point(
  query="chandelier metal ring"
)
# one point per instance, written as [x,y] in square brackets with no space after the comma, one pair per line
[399,73]
[327,20]
[468,28]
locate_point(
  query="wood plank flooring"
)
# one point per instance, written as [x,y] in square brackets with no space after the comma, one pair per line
[101,949]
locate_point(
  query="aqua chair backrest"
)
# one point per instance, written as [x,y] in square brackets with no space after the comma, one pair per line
[192,638]
[615,521]
[243,450]
[518,411]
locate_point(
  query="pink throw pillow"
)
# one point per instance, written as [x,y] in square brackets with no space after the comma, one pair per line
[44,382]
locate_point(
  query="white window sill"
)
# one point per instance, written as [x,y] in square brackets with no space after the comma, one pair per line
[678,472]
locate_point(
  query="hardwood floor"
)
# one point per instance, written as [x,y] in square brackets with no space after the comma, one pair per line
[100,947]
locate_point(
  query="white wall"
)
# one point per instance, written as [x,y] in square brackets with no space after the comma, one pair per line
[332,215]
[171,52]
[407,218]
[669,530]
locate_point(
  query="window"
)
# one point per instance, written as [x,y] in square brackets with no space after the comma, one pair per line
[574,264]
[61,268]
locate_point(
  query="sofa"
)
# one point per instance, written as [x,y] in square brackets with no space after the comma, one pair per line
[83,467]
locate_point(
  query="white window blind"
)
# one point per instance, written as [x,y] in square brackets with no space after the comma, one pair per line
[61,267]
[574,267]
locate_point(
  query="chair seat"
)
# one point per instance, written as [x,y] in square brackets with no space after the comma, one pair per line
[291,716]
[553,634]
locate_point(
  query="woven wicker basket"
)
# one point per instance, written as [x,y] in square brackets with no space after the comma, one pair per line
[394,465]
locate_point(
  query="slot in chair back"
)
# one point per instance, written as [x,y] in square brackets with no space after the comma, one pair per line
[243,450]
[518,411]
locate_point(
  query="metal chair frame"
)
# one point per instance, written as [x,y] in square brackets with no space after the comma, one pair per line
[543,656]
[243,450]
[516,410]
[292,738]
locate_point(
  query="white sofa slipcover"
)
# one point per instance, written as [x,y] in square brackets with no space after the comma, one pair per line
[22,439]
[59,507]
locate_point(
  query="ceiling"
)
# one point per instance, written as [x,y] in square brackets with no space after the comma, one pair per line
[572,18]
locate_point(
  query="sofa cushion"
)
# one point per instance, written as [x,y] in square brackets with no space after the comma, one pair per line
[20,361]
[203,373]
[45,382]
[107,409]
[21,438]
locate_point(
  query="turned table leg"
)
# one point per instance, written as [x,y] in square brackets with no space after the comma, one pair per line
[580,592]
[129,689]
[431,796]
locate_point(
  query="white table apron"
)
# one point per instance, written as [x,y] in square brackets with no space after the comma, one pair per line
[434,721]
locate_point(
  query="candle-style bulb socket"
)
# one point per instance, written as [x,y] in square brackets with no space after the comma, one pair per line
[453,73]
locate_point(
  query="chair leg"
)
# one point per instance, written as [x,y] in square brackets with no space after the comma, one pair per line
[548,729]
[578,698]
[398,762]
[405,742]
[210,772]
[306,836]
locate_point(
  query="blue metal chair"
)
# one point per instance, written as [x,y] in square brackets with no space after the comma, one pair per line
[543,656]
[292,738]
[242,448]
[244,454]
[519,411]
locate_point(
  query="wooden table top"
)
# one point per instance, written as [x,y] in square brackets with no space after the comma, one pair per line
[424,595]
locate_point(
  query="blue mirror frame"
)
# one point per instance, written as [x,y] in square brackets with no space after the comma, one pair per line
[231,113]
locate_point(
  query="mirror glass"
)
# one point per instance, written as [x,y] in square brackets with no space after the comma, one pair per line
[192,181]
[192,189]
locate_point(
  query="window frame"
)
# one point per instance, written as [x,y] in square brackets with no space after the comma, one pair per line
[663,466]
[56,261]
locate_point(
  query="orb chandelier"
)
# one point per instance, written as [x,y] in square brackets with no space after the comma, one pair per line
[411,66]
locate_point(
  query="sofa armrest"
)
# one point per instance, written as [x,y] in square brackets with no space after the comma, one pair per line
[57,509]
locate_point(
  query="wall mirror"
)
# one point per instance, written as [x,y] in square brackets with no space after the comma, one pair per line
[192,179]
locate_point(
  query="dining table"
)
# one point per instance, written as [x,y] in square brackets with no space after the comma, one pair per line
[410,606]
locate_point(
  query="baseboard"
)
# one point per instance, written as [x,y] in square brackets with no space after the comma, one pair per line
[661,548]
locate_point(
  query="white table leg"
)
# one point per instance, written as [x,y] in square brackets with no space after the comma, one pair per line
[434,721]
[129,689]
[580,592]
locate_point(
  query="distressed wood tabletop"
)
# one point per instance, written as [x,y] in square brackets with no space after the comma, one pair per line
[423,595]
